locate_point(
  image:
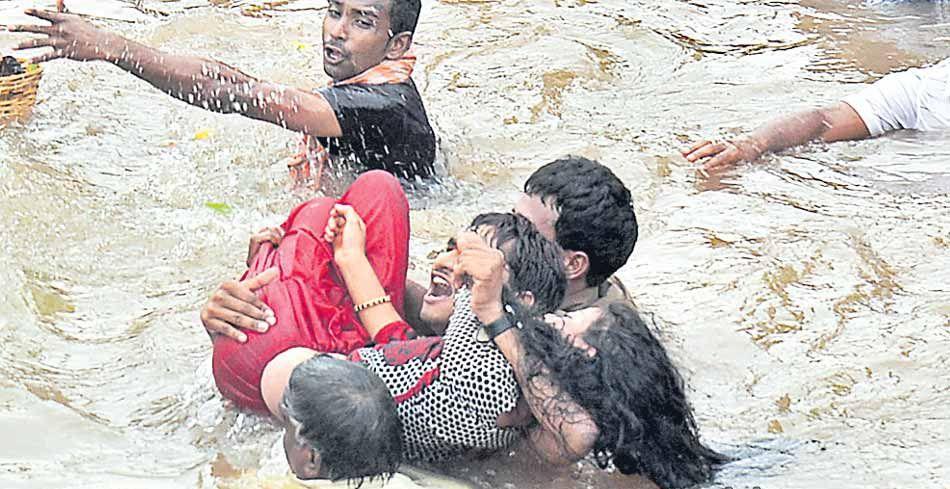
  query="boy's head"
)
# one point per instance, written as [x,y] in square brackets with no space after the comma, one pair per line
[583,206]
[360,34]
[341,422]
[534,262]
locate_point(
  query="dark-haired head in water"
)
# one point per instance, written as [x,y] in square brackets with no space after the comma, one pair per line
[341,422]
[609,362]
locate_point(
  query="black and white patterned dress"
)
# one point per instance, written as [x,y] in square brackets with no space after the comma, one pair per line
[449,391]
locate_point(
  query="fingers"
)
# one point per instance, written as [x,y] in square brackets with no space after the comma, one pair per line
[235,305]
[45,15]
[219,327]
[469,240]
[275,235]
[35,29]
[705,151]
[478,261]
[348,213]
[35,43]
[721,161]
[334,225]
[217,311]
[695,147]
[57,54]
[256,282]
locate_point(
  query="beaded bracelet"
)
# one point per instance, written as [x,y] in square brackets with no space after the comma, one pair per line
[372,303]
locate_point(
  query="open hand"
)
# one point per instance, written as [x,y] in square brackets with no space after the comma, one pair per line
[347,232]
[70,37]
[722,155]
[487,270]
[235,306]
[272,235]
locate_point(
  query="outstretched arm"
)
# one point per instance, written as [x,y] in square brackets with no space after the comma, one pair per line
[567,432]
[833,123]
[202,82]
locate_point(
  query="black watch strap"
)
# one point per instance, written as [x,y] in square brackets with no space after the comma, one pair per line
[499,326]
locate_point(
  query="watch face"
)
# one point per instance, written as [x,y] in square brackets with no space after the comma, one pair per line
[482,336]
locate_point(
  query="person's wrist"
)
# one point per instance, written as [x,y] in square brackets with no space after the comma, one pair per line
[348,257]
[489,313]
[500,327]
[749,147]
[112,48]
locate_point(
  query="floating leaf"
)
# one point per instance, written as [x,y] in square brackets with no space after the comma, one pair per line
[202,134]
[219,207]
[775,427]
[301,46]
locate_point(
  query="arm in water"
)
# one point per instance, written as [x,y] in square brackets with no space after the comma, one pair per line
[567,432]
[235,306]
[837,122]
[202,82]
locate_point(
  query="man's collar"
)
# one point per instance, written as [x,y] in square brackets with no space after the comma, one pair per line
[388,71]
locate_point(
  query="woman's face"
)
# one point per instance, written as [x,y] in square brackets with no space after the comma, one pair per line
[574,326]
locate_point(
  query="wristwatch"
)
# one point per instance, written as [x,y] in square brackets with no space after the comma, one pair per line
[498,326]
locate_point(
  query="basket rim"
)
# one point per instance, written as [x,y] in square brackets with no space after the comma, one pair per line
[22,76]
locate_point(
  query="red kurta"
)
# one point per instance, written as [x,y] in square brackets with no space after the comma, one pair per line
[309,298]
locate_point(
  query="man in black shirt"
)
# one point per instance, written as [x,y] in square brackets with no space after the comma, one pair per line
[371,116]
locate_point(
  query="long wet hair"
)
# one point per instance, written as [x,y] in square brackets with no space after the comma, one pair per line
[633,393]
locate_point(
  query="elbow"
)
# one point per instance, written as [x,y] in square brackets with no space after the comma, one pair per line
[572,444]
[579,443]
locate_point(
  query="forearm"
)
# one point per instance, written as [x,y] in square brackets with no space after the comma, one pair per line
[567,432]
[788,131]
[837,122]
[363,286]
[202,82]
[215,86]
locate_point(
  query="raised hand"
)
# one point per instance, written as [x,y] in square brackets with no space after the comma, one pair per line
[235,306]
[347,232]
[487,270]
[272,235]
[70,37]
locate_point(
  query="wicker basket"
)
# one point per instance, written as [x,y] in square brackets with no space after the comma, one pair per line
[18,93]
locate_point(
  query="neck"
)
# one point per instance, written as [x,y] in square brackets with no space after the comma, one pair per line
[578,292]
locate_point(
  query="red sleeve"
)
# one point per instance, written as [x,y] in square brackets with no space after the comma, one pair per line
[394,331]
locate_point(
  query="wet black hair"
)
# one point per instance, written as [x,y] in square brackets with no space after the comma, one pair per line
[534,262]
[633,393]
[594,212]
[344,411]
[404,15]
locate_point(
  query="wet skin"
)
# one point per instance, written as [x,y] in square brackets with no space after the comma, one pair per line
[356,36]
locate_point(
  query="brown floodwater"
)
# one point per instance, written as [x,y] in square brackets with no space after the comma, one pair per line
[806,298]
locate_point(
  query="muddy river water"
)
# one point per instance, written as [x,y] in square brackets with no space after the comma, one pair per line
[806,298]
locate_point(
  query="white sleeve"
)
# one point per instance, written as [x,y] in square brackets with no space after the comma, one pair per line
[891,103]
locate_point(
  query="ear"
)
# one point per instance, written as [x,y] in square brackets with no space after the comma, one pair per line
[526,298]
[312,468]
[398,45]
[576,265]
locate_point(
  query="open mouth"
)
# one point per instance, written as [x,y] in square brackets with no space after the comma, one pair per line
[440,287]
[333,55]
